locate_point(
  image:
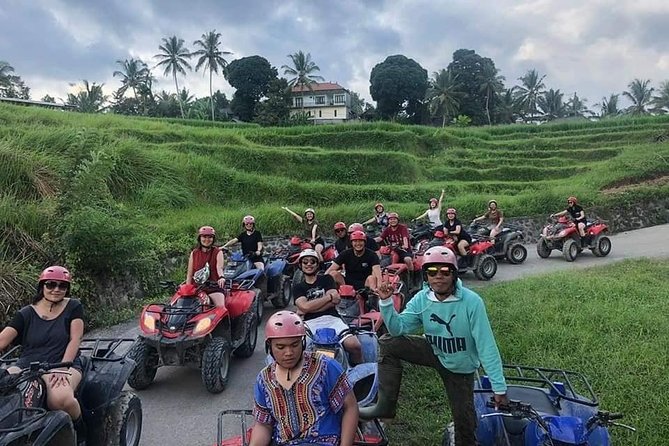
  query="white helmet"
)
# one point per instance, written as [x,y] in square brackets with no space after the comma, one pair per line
[309,253]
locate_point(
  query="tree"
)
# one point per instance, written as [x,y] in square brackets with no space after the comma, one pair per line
[89,100]
[302,72]
[211,58]
[550,103]
[251,76]
[661,101]
[276,109]
[609,107]
[444,95]
[398,83]
[173,58]
[640,93]
[507,108]
[576,107]
[12,86]
[133,73]
[5,70]
[490,84]
[357,105]
[49,99]
[167,105]
[527,94]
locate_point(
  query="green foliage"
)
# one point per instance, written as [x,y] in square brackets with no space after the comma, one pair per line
[471,71]
[395,81]
[252,77]
[462,121]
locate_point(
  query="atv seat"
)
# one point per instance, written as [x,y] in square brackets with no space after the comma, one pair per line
[535,396]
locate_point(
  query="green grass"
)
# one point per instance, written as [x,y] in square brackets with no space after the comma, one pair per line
[610,323]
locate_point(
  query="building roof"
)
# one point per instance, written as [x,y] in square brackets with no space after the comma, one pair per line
[323,86]
[38,103]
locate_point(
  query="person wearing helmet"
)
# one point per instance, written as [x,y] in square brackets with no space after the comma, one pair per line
[457,340]
[341,242]
[316,298]
[433,213]
[310,223]
[578,215]
[50,330]
[301,397]
[396,235]
[361,265]
[495,218]
[206,257]
[251,241]
[380,217]
[370,243]
[454,228]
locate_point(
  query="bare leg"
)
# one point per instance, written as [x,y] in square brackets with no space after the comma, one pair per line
[259,265]
[218,299]
[318,248]
[337,276]
[60,396]
[354,349]
[462,247]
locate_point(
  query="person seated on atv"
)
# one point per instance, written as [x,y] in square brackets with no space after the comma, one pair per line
[577,214]
[380,217]
[396,236]
[50,330]
[208,258]
[457,339]
[437,239]
[301,397]
[361,265]
[433,213]
[316,298]
[251,241]
[495,218]
[370,243]
[310,223]
[454,228]
[341,242]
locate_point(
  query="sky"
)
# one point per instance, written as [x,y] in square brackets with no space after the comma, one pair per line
[592,47]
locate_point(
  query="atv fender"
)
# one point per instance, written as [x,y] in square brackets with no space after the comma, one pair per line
[56,429]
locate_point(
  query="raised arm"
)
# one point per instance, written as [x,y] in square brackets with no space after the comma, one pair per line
[295,216]
[441,198]
[230,242]
[424,214]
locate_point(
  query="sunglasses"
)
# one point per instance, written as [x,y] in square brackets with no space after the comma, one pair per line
[207,236]
[434,270]
[340,230]
[52,285]
[309,262]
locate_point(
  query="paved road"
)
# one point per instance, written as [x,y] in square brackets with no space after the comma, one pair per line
[179,411]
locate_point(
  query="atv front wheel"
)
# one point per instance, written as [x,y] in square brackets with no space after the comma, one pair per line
[123,422]
[146,365]
[261,302]
[602,246]
[283,298]
[247,348]
[570,250]
[516,253]
[543,250]
[216,365]
[486,267]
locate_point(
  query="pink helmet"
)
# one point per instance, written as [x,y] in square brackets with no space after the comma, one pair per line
[357,235]
[574,199]
[248,219]
[284,324]
[339,225]
[56,272]
[356,227]
[433,200]
[440,254]
[393,215]
[451,211]
[206,230]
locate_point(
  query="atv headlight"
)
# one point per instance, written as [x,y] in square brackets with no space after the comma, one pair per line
[202,325]
[149,321]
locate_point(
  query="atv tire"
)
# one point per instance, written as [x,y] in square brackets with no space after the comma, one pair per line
[601,246]
[260,298]
[298,276]
[449,435]
[123,422]
[146,365]
[216,365]
[486,267]
[283,298]
[570,250]
[543,250]
[516,253]
[247,348]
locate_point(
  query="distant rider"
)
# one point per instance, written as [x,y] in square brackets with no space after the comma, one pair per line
[578,215]
[341,243]
[380,217]
[454,228]
[396,235]
[433,213]
[361,265]
[208,258]
[495,218]
[311,232]
[370,243]
[251,241]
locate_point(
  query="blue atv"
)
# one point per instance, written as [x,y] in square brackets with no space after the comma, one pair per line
[547,407]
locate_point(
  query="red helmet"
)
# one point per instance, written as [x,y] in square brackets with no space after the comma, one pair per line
[248,219]
[357,235]
[379,204]
[356,227]
[339,225]
[206,230]
[393,215]
[451,210]
[439,255]
[284,324]
[572,198]
[439,234]
[56,272]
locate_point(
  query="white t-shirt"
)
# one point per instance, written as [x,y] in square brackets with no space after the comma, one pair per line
[434,217]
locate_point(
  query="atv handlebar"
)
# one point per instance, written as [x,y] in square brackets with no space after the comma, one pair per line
[36,369]
[604,418]
[516,409]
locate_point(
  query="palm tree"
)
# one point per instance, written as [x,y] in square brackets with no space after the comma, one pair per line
[550,103]
[444,95]
[609,106]
[640,94]
[5,69]
[88,100]
[174,57]
[133,74]
[302,70]
[490,84]
[576,107]
[528,93]
[211,58]
[507,109]
[661,101]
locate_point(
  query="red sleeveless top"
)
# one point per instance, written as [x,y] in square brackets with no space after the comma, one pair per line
[200,258]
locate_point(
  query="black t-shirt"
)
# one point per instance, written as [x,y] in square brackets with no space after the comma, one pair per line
[575,212]
[249,242]
[342,244]
[357,268]
[464,235]
[315,290]
[44,340]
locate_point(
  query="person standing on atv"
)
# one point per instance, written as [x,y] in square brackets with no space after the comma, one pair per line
[361,265]
[310,223]
[577,214]
[341,242]
[50,330]
[208,259]
[251,241]
[495,218]
[396,236]
[301,397]
[370,243]
[457,340]
[380,217]
[316,298]
[433,213]
[454,228]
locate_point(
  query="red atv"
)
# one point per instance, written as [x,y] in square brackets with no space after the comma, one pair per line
[295,246]
[563,235]
[190,331]
[397,271]
[478,260]
[360,308]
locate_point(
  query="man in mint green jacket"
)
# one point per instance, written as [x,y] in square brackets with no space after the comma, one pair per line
[458,339]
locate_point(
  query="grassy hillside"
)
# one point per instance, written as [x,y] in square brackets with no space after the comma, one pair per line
[112,196]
